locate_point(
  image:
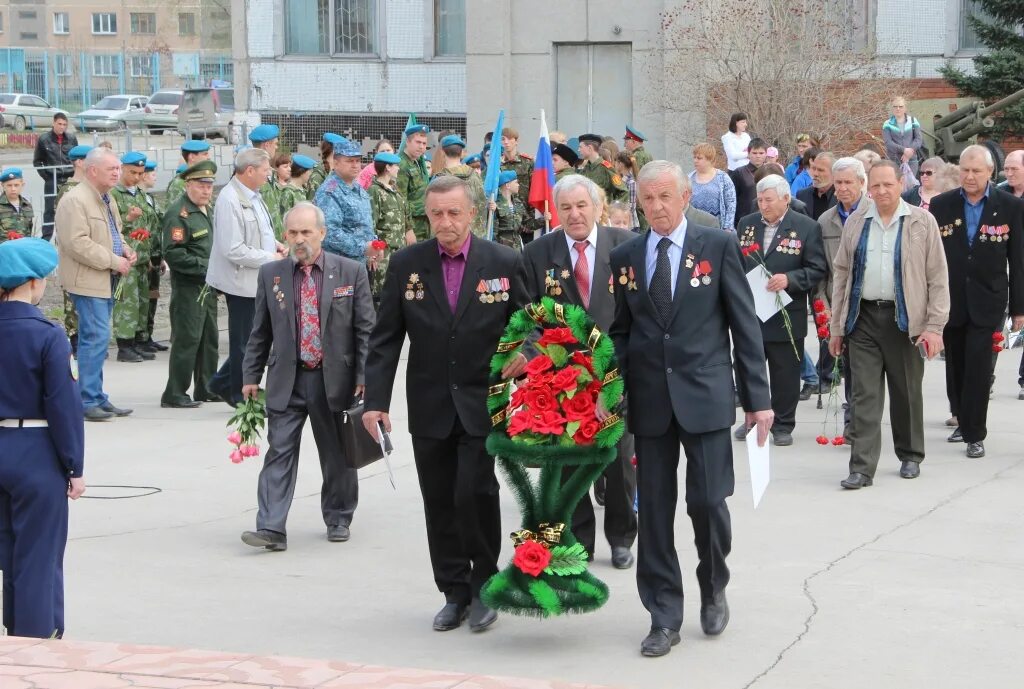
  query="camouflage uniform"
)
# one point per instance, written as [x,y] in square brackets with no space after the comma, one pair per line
[346,208]
[153,219]
[466,174]
[412,185]
[522,165]
[602,175]
[131,311]
[316,179]
[390,222]
[290,195]
[271,193]
[641,156]
[70,316]
[508,220]
[11,220]
[174,190]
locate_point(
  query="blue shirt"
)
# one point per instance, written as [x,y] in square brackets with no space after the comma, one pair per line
[972,214]
[843,215]
[346,208]
[675,253]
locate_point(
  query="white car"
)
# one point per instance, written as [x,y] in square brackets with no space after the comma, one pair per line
[161,112]
[113,112]
[24,111]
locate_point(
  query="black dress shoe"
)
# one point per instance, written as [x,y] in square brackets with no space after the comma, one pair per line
[450,617]
[128,355]
[480,616]
[782,439]
[976,450]
[143,354]
[910,469]
[806,391]
[264,538]
[855,481]
[622,558]
[955,437]
[180,403]
[97,414]
[659,642]
[714,614]
[338,534]
[153,344]
[209,397]
[116,411]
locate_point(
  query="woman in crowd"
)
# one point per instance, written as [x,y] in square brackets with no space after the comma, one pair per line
[922,194]
[902,135]
[282,164]
[619,216]
[713,190]
[367,174]
[771,155]
[736,141]
[299,172]
[625,166]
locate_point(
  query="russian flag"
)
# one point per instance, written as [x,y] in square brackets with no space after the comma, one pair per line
[543,181]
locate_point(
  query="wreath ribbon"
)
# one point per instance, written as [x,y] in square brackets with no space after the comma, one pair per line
[547,535]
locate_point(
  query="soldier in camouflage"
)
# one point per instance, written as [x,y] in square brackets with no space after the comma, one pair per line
[599,170]
[346,207]
[266,137]
[508,211]
[522,165]
[295,190]
[447,160]
[390,217]
[321,171]
[154,218]
[131,303]
[413,178]
[192,151]
[16,215]
[634,143]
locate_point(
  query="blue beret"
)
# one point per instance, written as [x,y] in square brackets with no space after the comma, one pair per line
[574,144]
[195,146]
[150,165]
[181,168]
[133,158]
[79,152]
[264,132]
[506,176]
[347,149]
[452,140]
[24,259]
[305,162]
[417,129]
[11,173]
[632,133]
[475,158]
[389,158]
[333,139]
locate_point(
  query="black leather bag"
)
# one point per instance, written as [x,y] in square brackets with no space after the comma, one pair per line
[360,448]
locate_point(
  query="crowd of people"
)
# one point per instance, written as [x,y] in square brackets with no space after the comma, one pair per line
[327,268]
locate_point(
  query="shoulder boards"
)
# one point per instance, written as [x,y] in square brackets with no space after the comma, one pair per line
[183,213]
[526,155]
[606,164]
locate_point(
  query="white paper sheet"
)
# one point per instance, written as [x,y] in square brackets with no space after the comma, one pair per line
[384,438]
[766,303]
[759,465]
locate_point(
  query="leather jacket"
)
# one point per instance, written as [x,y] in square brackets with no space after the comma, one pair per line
[49,153]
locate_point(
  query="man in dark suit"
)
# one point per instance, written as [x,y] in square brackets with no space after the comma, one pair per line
[743,178]
[672,330]
[452,295]
[820,196]
[982,234]
[314,314]
[571,266]
[793,251]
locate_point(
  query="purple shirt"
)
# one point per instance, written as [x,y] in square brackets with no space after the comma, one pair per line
[454,267]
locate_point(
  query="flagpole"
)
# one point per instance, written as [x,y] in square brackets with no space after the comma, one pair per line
[490,219]
[547,215]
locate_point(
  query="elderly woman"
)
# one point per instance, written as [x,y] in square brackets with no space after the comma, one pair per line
[902,135]
[736,141]
[713,190]
[930,184]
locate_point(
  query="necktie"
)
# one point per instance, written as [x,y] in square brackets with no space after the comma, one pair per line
[661,281]
[115,236]
[310,349]
[582,273]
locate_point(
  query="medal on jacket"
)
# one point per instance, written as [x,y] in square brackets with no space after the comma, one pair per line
[414,288]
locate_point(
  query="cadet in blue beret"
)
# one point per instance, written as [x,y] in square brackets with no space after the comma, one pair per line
[16,214]
[413,178]
[79,152]
[42,440]
[192,151]
[634,143]
[150,165]
[474,161]
[266,136]
[509,211]
[452,140]
[387,158]
[320,172]
[154,214]
[181,168]
[134,158]
[10,173]
[416,129]
[131,310]
[295,190]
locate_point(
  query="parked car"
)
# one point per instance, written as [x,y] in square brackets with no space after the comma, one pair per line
[207,112]
[113,112]
[24,111]
[161,112]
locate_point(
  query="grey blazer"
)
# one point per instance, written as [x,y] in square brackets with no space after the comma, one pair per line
[346,319]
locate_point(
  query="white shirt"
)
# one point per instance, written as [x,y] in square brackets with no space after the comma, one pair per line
[879,264]
[675,253]
[735,146]
[590,251]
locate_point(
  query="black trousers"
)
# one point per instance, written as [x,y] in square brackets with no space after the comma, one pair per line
[969,377]
[460,502]
[709,481]
[620,523]
[227,382]
[50,184]
[784,380]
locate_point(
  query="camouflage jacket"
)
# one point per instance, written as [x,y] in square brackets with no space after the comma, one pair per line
[65,188]
[316,179]
[412,184]
[602,175]
[641,156]
[466,174]
[11,220]
[390,219]
[508,217]
[290,195]
[271,193]
[126,200]
[154,219]
[522,164]
[346,208]
[174,190]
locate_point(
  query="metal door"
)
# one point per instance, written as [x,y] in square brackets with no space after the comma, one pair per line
[594,88]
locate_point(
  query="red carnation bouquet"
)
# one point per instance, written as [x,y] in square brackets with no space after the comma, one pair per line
[754,251]
[832,406]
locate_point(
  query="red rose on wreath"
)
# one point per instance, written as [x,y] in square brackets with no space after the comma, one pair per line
[539,365]
[518,398]
[557,336]
[548,422]
[531,558]
[543,381]
[565,380]
[594,389]
[579,408]
[588,429]
[583,360]
[519,423]
[541,399]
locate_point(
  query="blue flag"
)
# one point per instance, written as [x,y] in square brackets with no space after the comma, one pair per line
[494,159]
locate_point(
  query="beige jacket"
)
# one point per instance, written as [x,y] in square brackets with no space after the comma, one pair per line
[86,250]
[924,272]
[831,233]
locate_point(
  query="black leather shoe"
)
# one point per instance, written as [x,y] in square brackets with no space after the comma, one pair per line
[338,534]
[480,616]
[128,355]
[209,397]
[143,354]
[269,540]
[116,411]
[955,437]
[855,481]
[97,414]
[153,344]
[659,642]
[714,614]
[976,450]
[180,403]
[806,391]
[782,439]
[622,558]
[910,469]
[741,432]
[450,617]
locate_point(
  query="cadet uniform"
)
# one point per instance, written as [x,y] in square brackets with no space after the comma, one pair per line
[154,219]
[320,172]
[14,217]
[603,175]
[412,185]
[476,185]
[522,165]
[346,208]
[187,238]
[131,307]
[271,191]
[640,155]
[569,156]
[390,221]
[42,439]
[177,186]
[508,216]
[70,316]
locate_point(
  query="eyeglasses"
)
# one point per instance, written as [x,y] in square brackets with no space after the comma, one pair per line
[927,173]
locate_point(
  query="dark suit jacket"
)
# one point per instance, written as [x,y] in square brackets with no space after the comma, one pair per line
[746,196]
[815,208]
[346,319]
[682,367]
[449,356]
[978,277]
[552,252]
[804,269]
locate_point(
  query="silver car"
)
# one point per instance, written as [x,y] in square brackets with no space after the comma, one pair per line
[24,111]
[161,112]
[113,112]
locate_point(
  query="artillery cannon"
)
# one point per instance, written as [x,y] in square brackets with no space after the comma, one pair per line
[954,132]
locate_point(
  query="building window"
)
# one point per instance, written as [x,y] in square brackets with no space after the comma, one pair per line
[29,36]
[63,65]
[105,65]
[355,27]
[450,28]
[186,24]
[968,38]
[143,22]
[307,24]
[27,15]
[104,23]
[324,27]
[61,24]
[140,65]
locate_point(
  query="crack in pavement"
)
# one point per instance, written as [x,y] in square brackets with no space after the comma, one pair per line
[833,563]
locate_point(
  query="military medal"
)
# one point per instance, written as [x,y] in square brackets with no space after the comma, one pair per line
[414,288]
[482,289]
[611,285]
[694,282]
[622,278]
[958,222]
[565,274]
[632,280]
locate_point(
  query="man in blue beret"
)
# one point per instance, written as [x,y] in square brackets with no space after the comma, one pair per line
[192,151]
[52,163]
[266,136]
[320,172]
[634,143]
[346,207]
[153,219]
[413,178]
[16,214]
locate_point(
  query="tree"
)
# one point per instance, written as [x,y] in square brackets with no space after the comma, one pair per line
[1000,71]
[791,65]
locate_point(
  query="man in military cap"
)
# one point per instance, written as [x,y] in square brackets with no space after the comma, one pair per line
[192,151]
[16,215]
[346,206]
[599,170]
[565,160]
[634,143]
[320,172]
[522,165]
[187,238]
[77,156]
[266,137]
[131,303]
[447,160]
[413,178]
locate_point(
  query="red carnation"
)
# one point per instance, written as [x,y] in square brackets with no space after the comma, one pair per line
[548,422]
[838,440]
[822,440]
[823,332]
[821,319]
[378,245]
[539,364]
[541,399]
[997,348]
[15,235]
[565,380]
[819,306]
[579,408]
[531,558]
[997,337]
[583,360]
[755,247]
[588,429]
[557,336]
[519,423]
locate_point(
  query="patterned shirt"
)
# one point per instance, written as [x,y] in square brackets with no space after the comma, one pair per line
[717,197]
